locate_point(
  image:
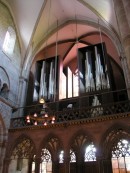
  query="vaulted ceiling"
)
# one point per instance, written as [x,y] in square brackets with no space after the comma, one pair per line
[40,22]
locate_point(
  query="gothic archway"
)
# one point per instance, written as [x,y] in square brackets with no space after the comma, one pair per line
[116,141]
[22,154]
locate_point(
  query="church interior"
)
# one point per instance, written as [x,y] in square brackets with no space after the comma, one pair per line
[64,86]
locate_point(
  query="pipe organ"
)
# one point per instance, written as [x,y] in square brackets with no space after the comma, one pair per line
[85,78]
[89,80]
[93,65]
[47,79]
[102,80]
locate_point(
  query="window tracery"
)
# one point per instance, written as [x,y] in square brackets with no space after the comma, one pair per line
[23,149]
[45,155]
[53,143]
[72,156]
[90,153]
[46,161]
[121,156]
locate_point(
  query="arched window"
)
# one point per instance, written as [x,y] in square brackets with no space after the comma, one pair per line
[9,41]
[90,153]
[121,157]
[21,155]
[61,157]
[46,161]
[69,83]
[72,156]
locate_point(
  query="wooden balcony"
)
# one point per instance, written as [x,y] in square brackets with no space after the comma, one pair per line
[76,114]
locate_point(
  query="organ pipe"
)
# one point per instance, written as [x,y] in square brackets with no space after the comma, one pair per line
[51,81]
[101,81]
[43,84]
[89,81]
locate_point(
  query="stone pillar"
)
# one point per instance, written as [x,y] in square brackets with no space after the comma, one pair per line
[22,94]
[106,166]
[30,161]
[126,4]
[55,166]
[6,165]
[80,162]
[37,164]
[126,73]
[124,28]
[67,161]
[55,163]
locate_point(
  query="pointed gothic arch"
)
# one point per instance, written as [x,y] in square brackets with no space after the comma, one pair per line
[112,136]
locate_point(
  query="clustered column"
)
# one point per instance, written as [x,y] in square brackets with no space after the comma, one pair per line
[22,93]
[122,8]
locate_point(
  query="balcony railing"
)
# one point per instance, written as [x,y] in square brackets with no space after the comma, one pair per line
[79,114]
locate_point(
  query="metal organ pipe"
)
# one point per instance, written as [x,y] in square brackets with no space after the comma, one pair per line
[51,81]
[102,81]
[97,70]
[89,81]
[43,85]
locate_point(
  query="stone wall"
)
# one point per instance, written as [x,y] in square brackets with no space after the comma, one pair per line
[10,71]
[10,63]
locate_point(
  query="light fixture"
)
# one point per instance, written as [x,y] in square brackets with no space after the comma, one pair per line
[41,117]
[42,100]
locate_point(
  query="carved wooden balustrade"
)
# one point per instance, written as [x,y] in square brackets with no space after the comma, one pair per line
[78,115]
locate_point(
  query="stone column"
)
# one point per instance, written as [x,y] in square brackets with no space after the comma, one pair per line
[126,4]
[37,164]
[124,28]
[126,73]
[6,165]
[30,161]
[55,163]
[55,166]
[22,94]
[80,162]
[67,161]
[106,166]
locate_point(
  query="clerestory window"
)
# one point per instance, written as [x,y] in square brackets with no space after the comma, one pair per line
[9,41]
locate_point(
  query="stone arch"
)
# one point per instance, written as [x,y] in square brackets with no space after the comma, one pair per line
[30,145]
[53,144]
[110,32]
[79,141]
[111,137]
[83,133]
[4,77]
[21,154]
